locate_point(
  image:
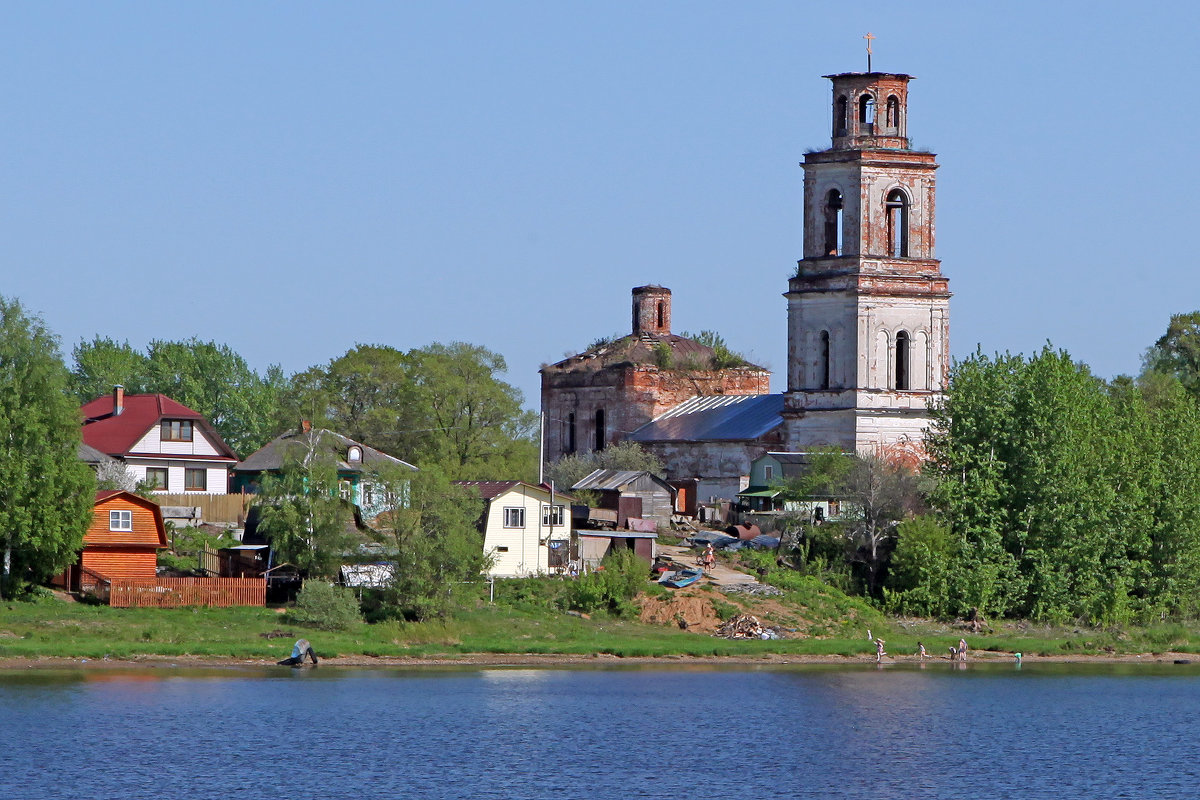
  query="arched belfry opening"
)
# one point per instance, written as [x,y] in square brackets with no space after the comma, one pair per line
[902,360]
[897,224]
[841,117]
[823,356]
[893,111]
[866,112]
[834,223]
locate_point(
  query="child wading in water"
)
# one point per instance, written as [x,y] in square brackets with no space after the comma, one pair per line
[921,651]
[879,654]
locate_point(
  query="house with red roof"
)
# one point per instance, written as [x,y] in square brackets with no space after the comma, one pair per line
[526,528]
[162,442]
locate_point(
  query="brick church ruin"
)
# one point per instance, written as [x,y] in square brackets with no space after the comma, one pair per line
[602,395]
[868,326]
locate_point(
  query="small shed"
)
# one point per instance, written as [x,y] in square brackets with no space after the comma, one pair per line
[595,545]
[632,493]
[125,536]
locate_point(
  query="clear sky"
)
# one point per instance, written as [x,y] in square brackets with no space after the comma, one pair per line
[293,178]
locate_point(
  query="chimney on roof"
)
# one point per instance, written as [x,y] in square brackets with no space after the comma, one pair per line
[651,310]
[118,400]
[305,426]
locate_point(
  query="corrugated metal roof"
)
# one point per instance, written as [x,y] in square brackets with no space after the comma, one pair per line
[604,480]
[715,418]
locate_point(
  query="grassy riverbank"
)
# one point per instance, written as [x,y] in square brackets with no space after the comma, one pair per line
[817,622]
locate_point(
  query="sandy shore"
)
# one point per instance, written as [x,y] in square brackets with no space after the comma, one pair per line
[524,660]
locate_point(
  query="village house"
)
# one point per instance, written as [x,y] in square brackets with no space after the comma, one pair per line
[122,541]
[764,495]
[358,465]
[526,528]
[163,443]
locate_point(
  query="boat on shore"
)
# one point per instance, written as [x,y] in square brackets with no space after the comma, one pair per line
[682,577]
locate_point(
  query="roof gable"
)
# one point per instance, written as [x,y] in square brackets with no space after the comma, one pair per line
[490,490]
[271,455]
[116,499]
[116,434]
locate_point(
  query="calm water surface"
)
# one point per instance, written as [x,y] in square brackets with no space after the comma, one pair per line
[987,731]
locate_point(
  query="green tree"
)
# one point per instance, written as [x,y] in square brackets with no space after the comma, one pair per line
[429,531]
[1042,474]
[104,363]
[46,492]
[480,430]
[571,469]
[207,377]
[1177,352]
[919,572]
[439,406]
[302,513]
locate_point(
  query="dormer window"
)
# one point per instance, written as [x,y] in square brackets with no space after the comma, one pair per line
[354,455]
[176,430]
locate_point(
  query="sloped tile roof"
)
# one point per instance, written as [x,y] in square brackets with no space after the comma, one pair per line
[271,455]
[490,489]
[115,434]
[715,418]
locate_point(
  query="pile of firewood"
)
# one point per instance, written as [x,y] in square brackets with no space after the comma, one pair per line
[743,626]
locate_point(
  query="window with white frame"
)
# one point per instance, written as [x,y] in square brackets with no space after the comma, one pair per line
[514,517]
[120,520]
[552,519]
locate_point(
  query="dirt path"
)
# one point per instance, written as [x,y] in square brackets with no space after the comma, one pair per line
[720,574]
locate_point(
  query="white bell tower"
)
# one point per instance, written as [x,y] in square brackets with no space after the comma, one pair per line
[868,309]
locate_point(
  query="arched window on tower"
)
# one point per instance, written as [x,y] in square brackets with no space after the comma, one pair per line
[841,118]
[902,360]
[897,224]
[599,429]
[833,223]
[893,112]
[571,432]
[866,112]
[824,360]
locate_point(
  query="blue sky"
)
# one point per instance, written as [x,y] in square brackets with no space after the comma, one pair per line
[293,178]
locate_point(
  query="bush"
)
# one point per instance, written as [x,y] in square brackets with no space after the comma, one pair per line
[612,587]
[325,606]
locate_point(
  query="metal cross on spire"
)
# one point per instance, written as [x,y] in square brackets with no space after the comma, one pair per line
[869,37]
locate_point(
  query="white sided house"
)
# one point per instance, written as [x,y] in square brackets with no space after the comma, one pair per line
[161,442]
[526,528]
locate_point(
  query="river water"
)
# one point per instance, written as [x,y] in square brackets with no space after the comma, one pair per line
[1042,730]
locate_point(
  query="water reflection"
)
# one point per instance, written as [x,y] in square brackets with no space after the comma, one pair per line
[735,733]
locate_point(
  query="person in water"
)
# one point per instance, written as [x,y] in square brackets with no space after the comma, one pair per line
[879,653]
[962,649]
[921,651]
[299,650]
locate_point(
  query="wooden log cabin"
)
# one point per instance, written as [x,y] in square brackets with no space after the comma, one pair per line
[124,538]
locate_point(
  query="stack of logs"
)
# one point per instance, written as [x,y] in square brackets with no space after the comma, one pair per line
[743,626]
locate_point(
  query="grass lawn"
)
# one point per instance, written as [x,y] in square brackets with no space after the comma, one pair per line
[523,621]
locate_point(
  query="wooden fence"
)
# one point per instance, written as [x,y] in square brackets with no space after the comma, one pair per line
[227,508]
[177,592]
